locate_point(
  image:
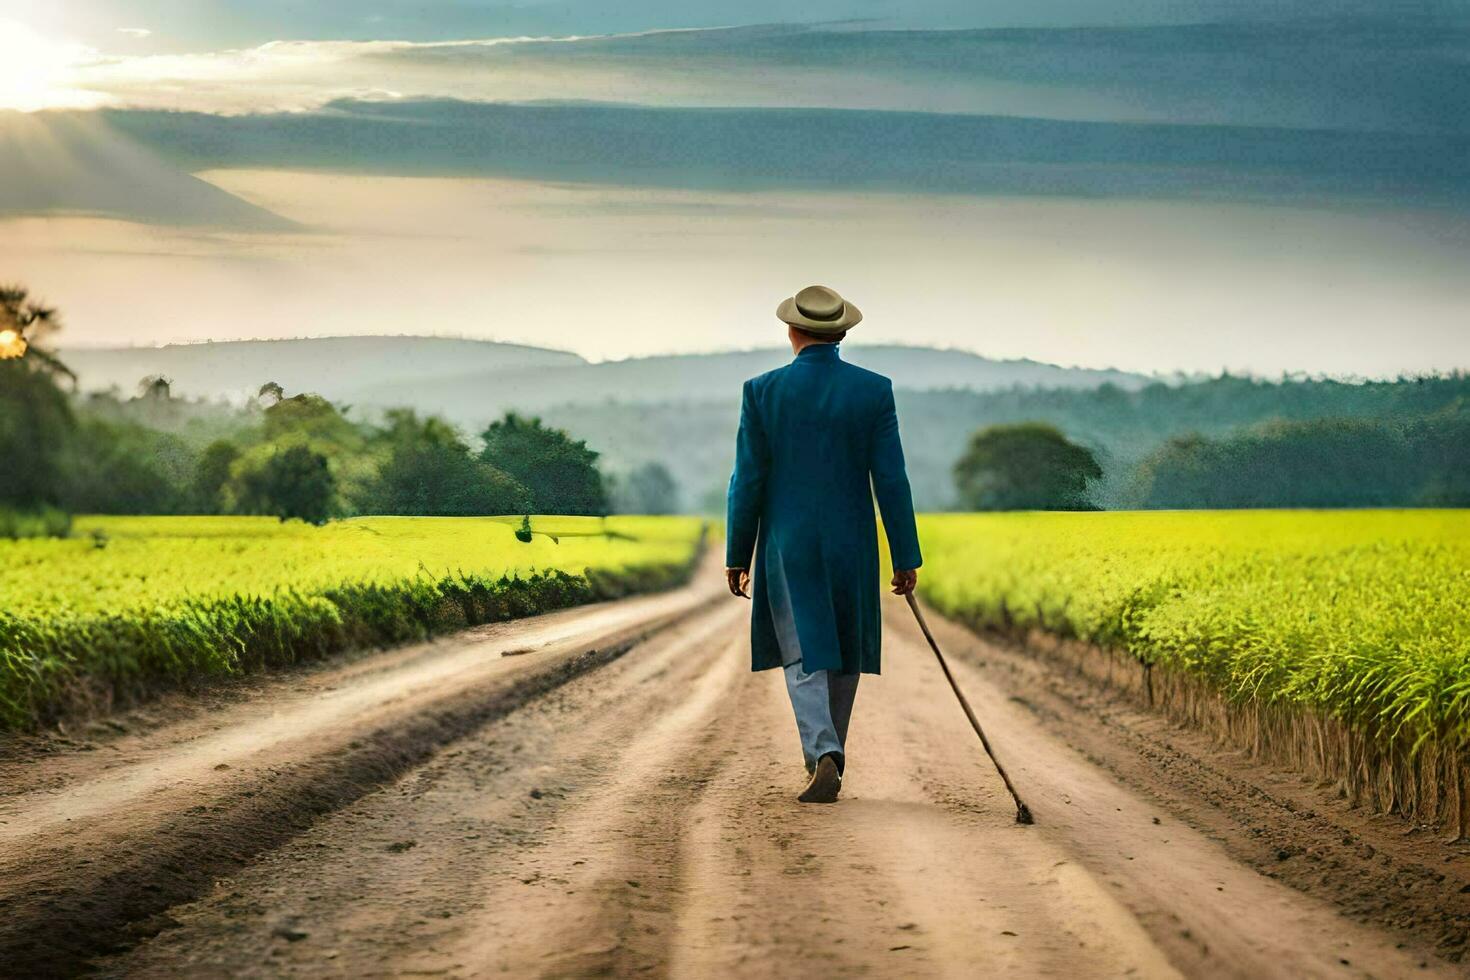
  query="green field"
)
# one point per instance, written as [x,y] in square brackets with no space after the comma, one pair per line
[1358,616]
[129,603]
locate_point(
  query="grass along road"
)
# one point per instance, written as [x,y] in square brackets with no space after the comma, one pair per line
[132,605]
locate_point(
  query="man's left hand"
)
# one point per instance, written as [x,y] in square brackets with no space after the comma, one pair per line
[904,580]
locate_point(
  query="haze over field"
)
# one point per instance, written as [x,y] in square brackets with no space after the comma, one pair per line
[1155,187]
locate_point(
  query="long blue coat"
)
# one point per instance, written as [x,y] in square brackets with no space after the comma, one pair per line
[812,435]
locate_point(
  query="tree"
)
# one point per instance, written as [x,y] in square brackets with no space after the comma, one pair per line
[293,483]
[25,326]
[314,422]
[211,473]
[156,387]
[125,468]
[36,422]
[270,390]
[36,425]
[430,471]
[1030,466]
[649,489]
[1330,462]
[1442,442]
[560,473]
[308,416]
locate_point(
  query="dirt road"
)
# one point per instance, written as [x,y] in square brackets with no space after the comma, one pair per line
[639,820]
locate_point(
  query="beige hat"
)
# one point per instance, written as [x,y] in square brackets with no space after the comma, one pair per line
[819,310]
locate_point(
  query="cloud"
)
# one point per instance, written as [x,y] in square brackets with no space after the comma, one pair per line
[1388,74]
[218,24]
[135,31]
[289,76]
[824,149]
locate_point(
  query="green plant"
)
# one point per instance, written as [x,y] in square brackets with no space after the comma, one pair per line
[41,522]
[1357,620]
[174,600]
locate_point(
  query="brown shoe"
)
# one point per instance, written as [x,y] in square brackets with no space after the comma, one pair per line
[825,784]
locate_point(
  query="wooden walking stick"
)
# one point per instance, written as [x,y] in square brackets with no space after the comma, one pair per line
[1023,812]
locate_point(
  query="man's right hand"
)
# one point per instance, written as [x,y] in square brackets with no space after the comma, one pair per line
[904,581]
[739,581]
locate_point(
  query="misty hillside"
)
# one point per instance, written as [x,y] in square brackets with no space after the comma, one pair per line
[471,381]
[680,410]
[466,397]
[331,366]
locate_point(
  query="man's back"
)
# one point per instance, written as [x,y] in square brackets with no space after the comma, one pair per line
[813,435]
[819,414]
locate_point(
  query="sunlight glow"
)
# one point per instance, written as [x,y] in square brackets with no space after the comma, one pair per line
[39,73]
[12,345]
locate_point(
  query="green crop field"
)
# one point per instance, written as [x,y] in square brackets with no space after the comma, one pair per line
[1361,617]
[128,603]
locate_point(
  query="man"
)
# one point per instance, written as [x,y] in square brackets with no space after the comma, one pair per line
[818,440]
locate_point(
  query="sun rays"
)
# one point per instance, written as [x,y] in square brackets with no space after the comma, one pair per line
[37,72]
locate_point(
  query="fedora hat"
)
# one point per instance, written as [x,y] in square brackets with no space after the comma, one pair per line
[818,309]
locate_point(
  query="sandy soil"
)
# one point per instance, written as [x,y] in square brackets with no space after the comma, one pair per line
[96,842]
[640,819]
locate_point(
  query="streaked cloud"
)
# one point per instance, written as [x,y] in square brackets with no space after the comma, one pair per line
[294,76]
[135,31]
[835,151]
[1392,74]
[200,25]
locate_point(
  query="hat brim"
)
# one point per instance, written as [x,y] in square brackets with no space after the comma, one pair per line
[788,313]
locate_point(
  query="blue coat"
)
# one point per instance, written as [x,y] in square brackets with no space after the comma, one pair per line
[812,435]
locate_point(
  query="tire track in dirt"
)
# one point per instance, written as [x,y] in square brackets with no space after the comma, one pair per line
[410,880]
[93,849]
[1373,868]
[885,883]
[640,820]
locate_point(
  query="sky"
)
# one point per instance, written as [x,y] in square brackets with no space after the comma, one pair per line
[1165,185]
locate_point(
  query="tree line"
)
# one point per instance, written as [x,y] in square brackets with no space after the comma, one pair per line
[1138,437]
[284,455]
[1219,442]
[1331,462]
[1121,427]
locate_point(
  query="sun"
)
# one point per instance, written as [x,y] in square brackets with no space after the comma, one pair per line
[37,72]
[12,345]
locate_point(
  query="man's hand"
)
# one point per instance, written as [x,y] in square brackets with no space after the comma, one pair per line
[904,581]
[739,581]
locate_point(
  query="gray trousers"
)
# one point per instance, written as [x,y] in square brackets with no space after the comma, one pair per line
[822,701]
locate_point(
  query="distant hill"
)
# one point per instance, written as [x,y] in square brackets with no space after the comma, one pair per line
[472,396]
[332,366]
[677,409]
[682,410]
[471,381]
